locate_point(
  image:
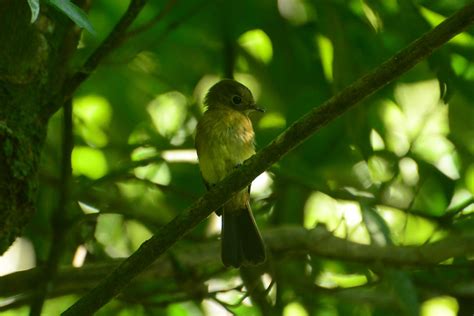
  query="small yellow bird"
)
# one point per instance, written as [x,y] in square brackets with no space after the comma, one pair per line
[224,140]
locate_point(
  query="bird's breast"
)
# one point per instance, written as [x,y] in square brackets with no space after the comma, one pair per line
[224,139]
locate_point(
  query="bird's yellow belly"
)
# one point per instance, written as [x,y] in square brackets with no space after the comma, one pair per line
[223,145]
[222,157]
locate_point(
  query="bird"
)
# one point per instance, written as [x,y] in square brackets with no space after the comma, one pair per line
[224,140]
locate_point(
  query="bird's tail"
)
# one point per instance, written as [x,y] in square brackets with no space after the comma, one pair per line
[241,240]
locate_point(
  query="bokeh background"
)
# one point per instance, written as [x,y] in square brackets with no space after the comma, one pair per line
[397,169]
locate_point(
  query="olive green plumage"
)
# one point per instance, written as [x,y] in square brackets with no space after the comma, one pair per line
[224,140]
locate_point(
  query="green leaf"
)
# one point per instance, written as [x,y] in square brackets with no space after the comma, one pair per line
[405,291]
[377,227]
[35,9]
[436,190]
[76,14]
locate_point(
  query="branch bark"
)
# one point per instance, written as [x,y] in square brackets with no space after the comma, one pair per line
[281,241]
[284,143]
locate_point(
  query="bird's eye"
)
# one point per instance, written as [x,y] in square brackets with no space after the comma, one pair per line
[236,100]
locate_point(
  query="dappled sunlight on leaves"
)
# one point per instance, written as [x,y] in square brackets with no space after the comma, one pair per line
[409,171]
[294,309]
[372,16]
[272,120]
[167,112]
[89,162]
[20,256]
[295,11]
[92,116]
[341,217]
[261,186]
[146,62]
[257,44]
[326,51]
[397,138]
[376,141]
[109,232]
[470,178]
[463,39]
[440,306]
[157,173]
[380,169]
[332,279]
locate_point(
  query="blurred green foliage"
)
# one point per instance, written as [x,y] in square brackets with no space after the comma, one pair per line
[398,169]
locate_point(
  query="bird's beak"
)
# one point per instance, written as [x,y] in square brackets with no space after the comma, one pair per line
[257,108]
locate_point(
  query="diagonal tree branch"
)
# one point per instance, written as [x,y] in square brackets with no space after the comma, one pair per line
[113,40]
[148,25]
[284,143]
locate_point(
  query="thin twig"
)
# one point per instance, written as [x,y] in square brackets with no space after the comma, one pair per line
[451,213]
[256,290]
[237,288]
[59,217]
[171,26]
[296,134]
[116,174]
[281,241]
[113,39]
[224,305]
[146,26]
[374,200]
[179,21]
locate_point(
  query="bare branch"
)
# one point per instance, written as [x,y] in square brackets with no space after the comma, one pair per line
[283,242]
[114,39]
[59,218]
[142,28]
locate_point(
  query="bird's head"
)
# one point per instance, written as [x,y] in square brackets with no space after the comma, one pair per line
[233,94]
